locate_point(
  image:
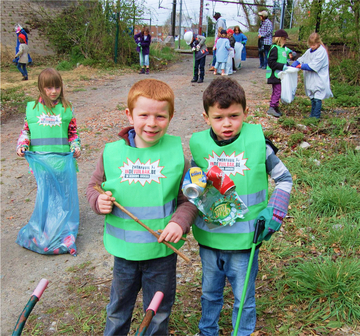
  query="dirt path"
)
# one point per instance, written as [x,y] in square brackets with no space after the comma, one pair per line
[97,108]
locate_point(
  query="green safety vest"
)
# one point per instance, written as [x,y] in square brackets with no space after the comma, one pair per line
[244,162]
[283,53]
[146,182]
[49,133]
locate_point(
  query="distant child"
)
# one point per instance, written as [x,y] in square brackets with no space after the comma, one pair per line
[50,134]
[197,44]
[143,40]
[315,63]
[143,171]
[242,152]
[222,52]
[23,55]
[230,35]
[277,61]
[241,38]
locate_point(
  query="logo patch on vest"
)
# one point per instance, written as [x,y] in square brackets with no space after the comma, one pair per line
[141,172]
[229,164]
[49,120]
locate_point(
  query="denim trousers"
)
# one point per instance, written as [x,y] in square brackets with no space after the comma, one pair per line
[128,278]
[263,56]
[315,108]
[275,95]
[144,59]
[22,68]
[214,57]
[199,68]
[216,267]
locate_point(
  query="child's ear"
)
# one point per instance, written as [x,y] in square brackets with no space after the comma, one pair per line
[206,118]
[129,116]
[246,112]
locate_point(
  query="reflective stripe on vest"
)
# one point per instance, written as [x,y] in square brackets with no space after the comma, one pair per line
[249,152]
[146,181]
[139,237]
[48,133]
[49,141]
[144,213]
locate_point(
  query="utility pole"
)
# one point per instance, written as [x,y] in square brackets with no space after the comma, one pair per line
[179,38]
[173,17]
[201,15]
[282,15]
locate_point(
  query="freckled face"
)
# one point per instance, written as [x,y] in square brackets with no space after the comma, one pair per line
[226,123]
[150,119]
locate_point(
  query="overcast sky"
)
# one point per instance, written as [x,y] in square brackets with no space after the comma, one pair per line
[191,8]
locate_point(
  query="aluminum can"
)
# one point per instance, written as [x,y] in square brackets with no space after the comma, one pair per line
[220,180]
[194,183]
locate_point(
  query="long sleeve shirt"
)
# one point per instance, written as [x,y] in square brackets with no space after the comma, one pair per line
[265,31]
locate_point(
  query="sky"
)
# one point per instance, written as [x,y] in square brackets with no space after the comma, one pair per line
[230,12]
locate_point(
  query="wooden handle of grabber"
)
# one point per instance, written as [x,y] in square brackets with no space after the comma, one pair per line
[182,255]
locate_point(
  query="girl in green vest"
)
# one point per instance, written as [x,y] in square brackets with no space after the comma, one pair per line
[49,129]
[277,61]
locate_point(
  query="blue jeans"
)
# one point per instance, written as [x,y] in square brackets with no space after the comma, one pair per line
[216,267]
[144,59]
[199,68]
[22,68]
[214,57]
[315,108]
[263,55]
[128,278]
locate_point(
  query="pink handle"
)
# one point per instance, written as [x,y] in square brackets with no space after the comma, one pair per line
[40,288]
[155,302]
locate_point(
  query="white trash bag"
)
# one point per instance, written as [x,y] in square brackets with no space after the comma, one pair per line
[288,84]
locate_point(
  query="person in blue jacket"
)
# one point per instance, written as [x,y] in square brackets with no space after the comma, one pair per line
[240,37]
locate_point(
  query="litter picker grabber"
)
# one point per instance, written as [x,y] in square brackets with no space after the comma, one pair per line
[150,313]
[260,225]
[35,297]
[182,255]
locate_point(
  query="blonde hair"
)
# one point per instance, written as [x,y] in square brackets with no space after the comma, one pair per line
[219,31]
[50,78]
[278,41]
[152,89]
[315,38]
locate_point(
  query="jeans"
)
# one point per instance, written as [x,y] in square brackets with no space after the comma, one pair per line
[22,68]
[315,108]
[128,278]
[275,96]
[263,55]
[199,65]
[220,65]
[214,57]
[144,59]
[217,266]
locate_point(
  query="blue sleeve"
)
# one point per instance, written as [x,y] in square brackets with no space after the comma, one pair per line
[305,66]
[294,64]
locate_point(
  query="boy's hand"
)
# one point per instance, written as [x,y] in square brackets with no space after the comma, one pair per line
[21,151]
[77,153]
[172,233]
[105,202]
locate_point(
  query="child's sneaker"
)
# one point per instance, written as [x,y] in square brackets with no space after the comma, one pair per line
[273,112]
[147,71]
[215,72]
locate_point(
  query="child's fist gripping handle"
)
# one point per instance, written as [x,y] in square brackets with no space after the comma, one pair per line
[137,220]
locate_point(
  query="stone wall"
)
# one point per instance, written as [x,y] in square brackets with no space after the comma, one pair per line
[15,12]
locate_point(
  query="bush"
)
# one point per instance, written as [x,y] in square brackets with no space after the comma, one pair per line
[65,66]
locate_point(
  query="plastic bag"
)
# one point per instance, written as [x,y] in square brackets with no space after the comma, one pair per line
[238,52]
[54,224]
[288,79]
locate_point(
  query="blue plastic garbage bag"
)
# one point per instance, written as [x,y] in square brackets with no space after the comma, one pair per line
[54,224]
